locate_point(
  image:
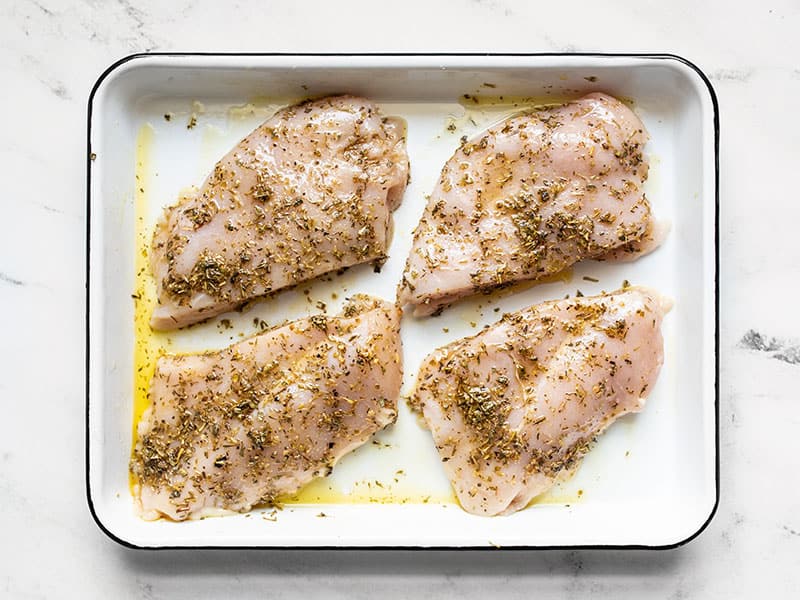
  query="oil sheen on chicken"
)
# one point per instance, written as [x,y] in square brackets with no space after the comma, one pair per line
[241,427]
[528,198]
[514,409]
[310,191]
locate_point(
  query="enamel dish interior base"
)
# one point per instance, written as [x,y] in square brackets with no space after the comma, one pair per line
[651,479]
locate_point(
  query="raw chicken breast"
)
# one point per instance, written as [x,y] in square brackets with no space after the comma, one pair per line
[528,198]
[232,429]
[516,407]
[309,191]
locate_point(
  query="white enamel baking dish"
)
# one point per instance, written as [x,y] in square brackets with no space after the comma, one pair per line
[652,479]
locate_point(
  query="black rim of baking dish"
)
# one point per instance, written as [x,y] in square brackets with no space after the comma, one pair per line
[658,56]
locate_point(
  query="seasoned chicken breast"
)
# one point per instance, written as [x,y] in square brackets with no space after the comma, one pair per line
[310,191]
[231,429]
[517,406]
[528,198]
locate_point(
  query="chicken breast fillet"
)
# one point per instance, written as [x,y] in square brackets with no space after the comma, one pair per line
[240,427]
[310,191]
[528,198]
[516,407]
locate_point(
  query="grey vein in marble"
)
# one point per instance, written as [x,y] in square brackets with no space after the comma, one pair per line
[55,85]
[740,75]
[43,8]
[139,19]
[776,348]
[10,280]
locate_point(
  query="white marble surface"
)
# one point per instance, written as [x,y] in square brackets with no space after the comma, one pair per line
[51,54]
